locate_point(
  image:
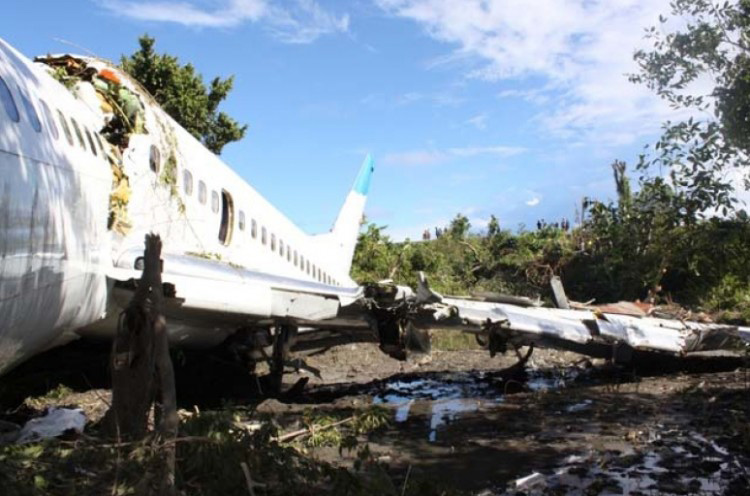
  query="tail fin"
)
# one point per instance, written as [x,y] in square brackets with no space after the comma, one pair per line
[345,230]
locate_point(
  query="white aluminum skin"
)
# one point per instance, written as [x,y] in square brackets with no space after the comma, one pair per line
[58,260]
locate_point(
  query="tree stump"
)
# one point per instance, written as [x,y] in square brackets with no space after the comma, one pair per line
[142,372]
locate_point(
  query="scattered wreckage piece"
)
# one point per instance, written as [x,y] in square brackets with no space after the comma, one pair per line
[591,331]
[55,422]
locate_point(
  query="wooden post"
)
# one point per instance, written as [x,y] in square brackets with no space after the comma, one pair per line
[142,370]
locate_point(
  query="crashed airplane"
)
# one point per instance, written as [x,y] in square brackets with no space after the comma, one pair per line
[91,164]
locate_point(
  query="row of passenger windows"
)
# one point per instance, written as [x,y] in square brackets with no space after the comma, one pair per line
[9,103]
[93,139]
[267,239]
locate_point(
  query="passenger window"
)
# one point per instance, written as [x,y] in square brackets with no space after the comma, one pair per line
[295,258]
[307,267]
[8,103]
[50,119]
[91,141]
[281,248]
[253,229]
[302,263]
[154,159]
[101,145]
[31,112]
[202,192]
[66,128]
[263,235]
[288,254]
[214,202]
[273,242]
[187,182]
[78,133]
[241,221]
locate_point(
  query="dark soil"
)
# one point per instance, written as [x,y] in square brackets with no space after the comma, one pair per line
[463,422]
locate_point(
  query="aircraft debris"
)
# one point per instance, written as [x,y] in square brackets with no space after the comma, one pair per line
[531,481]
[579,407]
[121,114]
[558,291]
[56,422]
[606,331]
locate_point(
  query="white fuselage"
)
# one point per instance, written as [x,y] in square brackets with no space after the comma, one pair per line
[58,256]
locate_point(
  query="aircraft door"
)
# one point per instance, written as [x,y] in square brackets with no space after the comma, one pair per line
[227,218]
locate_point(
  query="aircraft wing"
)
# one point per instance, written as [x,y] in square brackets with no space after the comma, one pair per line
[206,300]
[590,332]
[212,294]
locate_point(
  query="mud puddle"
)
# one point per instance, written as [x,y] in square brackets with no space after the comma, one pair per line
[558,428]
[674,462]
[442,399]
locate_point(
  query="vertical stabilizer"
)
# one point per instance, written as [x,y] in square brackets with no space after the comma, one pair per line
[344,234]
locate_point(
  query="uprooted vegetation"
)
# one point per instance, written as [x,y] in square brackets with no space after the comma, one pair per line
[232,451]
[640,247]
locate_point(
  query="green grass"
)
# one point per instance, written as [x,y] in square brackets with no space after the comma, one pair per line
[452,340]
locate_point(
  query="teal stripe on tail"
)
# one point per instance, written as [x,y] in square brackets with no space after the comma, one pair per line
[362,184]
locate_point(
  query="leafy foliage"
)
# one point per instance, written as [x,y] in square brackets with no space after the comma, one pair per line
[181,92]
[659,240]
[642,246]
[460,262]
[211,451]
[713,45]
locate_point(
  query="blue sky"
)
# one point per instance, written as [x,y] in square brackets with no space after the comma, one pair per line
[512,108]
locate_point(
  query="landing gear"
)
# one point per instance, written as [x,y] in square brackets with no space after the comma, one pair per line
[263,353]
[283,340]
[398,336]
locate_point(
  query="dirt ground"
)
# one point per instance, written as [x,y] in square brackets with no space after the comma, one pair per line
[585,427]
[564,424]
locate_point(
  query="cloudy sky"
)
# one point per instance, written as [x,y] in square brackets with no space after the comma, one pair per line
[506,107]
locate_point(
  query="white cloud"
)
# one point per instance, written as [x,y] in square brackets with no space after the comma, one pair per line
[471,151]
[305,22]
[302,21]
[415,157]
[478,121]
[533,202]
[535,96]
[444,98]
[580,50]
[434,156]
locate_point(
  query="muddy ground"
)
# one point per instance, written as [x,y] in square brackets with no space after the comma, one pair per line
[568,425]
[589,427]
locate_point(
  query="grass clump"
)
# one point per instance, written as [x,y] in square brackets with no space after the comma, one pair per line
[215,455]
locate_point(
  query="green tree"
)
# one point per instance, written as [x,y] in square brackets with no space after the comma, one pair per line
[493,227]
[713,44]
[459,226]
[181,92]
[375,255]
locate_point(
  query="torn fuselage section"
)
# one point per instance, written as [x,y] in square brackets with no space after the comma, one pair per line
[504,323]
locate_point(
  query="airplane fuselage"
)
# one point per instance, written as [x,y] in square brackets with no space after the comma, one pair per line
[74,209]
